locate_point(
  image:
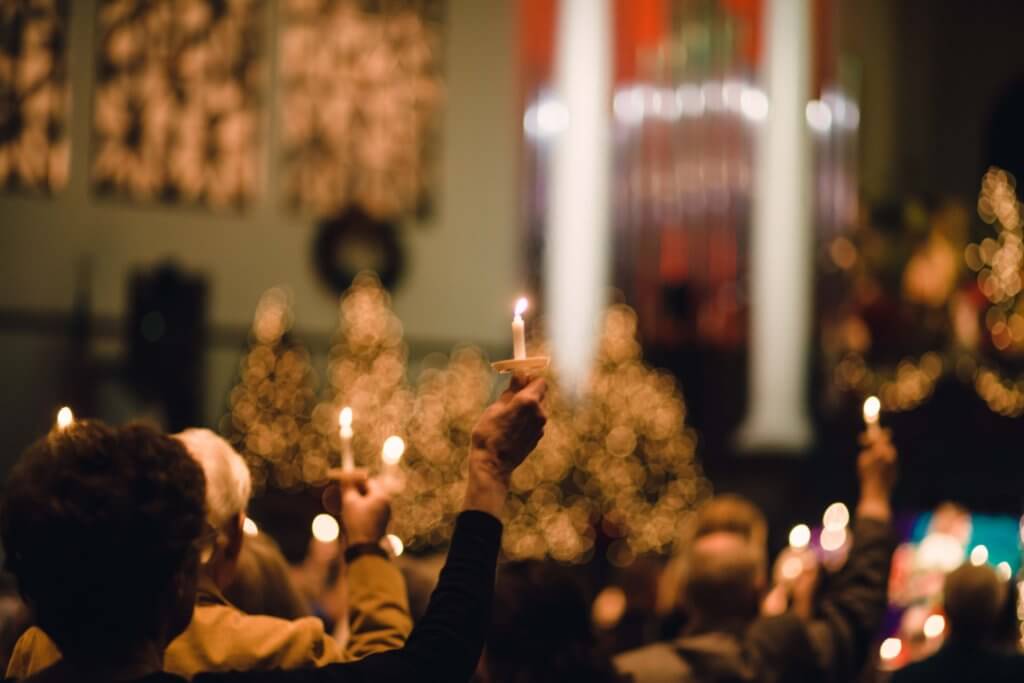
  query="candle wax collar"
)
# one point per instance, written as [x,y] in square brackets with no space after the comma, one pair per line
[533,364]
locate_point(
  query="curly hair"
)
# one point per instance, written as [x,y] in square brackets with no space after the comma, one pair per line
[97,522]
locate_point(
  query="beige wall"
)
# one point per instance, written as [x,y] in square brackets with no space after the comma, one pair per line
[462,264]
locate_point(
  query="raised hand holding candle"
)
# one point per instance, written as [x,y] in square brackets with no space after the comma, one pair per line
[345,423]
[64,418]
[519,330]
[872,409]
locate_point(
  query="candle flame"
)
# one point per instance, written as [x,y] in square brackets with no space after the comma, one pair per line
[521,305]
[345,418]
[393,450]
[872,407]
[64,418]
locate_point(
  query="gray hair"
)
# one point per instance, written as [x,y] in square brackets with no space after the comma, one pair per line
[228,483]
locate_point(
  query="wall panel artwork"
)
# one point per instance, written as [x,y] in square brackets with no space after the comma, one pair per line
[176,113]
[361,91]
[34,95]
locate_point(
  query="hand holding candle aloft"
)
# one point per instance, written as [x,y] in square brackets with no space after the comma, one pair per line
[872,409]
[345,423]
[519,330]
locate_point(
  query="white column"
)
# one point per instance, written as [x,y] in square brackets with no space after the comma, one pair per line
[781,242]
[576,258]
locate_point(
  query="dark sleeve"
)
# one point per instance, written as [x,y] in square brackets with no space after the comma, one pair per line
[446,643]
[852,609]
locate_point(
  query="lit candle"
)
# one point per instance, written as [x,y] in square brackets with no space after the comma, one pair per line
[64,418]
[390,456]
[872,408]
[345,422]
[519,331]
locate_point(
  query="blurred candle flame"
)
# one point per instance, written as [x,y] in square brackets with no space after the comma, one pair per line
[872,407]
[394,448]
[64,418]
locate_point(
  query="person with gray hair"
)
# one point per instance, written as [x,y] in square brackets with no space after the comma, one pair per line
[222,637]
[228,490]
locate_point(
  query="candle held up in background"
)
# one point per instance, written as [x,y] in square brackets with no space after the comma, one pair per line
[64,418]
[519,330]
[872,409]
[390,455]
[345,423]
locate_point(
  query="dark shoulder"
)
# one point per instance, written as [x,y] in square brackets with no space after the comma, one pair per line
[781,644]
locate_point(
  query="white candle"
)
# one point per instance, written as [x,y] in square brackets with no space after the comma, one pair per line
[872,409]
[390,455]
[519,331]
[345,422]
[64,418]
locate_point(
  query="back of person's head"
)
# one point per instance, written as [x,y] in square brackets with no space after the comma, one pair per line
[736,557]
[724,579]
[101,526]
[540,629]
[263,584]
[974,600]
[729,512]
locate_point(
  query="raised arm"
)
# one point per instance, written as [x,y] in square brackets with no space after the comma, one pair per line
[446,644]
[852,609]
[378,606]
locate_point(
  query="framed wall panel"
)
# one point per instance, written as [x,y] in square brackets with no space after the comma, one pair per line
[361,91]
[34,95]
[176,111]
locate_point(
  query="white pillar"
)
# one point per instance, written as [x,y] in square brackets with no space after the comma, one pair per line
[781,242]
[576,258]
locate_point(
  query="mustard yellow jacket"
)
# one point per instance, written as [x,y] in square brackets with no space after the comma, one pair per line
[223,638]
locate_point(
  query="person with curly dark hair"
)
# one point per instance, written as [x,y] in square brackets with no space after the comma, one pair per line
[103,529]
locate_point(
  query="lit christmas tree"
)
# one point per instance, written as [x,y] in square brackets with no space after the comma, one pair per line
[270,405]
[621,456]
[366,371]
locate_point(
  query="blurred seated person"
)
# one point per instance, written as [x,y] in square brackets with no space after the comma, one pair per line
[540,630]
[262,584]
[105,530]
[725,637]
[975,600]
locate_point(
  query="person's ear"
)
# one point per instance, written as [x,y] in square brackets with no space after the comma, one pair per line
[235,538]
